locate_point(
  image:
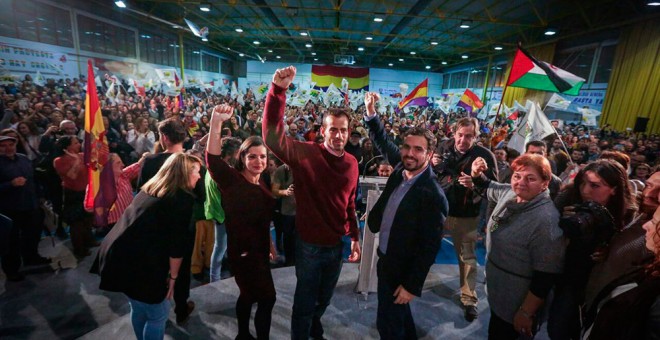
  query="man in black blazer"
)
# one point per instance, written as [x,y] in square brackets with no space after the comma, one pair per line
[409,215]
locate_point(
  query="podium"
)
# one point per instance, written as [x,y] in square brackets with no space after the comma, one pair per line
[367,278]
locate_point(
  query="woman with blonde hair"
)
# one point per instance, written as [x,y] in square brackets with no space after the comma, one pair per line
[142,254]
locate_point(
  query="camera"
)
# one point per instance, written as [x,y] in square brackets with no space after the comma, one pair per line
[592,224]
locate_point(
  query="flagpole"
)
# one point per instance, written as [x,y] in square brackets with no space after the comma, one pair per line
[506,85]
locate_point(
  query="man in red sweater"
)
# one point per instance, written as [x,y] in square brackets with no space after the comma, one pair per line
[326,181]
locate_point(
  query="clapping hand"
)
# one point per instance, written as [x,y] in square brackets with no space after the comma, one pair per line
[283,77]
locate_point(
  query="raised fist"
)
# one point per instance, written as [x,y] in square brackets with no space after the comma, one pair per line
[222,112]
[283,77]
[370,99]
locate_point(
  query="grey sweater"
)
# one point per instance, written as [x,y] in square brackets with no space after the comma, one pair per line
[522,238]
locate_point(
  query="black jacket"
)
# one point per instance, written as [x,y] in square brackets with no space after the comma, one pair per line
[463,202]
[134,257]
[416,231]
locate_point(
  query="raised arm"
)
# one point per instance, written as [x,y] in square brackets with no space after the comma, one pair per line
[377,131]
[220,171]
[273,122]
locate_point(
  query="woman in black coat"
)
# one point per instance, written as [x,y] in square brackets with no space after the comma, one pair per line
[141,255]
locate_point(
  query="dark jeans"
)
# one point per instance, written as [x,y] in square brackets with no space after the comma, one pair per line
[289,238]
[393,321]
[23,239]
[317,272]
[499,329]
[564,316]
[182,287]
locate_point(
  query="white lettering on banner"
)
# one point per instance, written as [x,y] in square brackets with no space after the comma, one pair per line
[18,59]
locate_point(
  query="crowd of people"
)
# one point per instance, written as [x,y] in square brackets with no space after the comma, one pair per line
[572,226]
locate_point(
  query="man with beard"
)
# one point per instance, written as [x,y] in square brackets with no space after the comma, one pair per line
[409,216]
[457,155]
[326,181]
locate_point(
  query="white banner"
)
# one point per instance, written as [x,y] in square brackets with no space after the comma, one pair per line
[534,126]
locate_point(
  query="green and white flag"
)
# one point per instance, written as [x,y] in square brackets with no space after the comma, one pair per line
[534,126]
[558,102]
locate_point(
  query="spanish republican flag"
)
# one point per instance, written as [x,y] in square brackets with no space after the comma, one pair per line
[418,96]
[101,191]
[470,101]
[324,75]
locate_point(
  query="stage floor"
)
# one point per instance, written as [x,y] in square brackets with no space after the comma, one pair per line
[351,315]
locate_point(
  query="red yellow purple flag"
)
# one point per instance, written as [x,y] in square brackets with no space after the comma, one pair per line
[101,191]
[470,102]
[418,96]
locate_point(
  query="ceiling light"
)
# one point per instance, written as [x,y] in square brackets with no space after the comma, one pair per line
[434,43]
[378,19]
[653,3]
[444,63]
[304,34]
[241,55]
[428,67]
[390,64]
[369,38]
[413,52]
[205,7]
[308,45]
[550,31]
[270,51]
[401,59]
[360,49]
[465,24]
[464,56]
[205,39]
[313,53]
[498,48]
[239,30]
[316,59]
[278,57]
[120,4]
[256,42]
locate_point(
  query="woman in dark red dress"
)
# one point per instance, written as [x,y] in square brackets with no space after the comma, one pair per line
[248,206]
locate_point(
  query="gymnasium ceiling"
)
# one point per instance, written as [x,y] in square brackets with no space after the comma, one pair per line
[428,28]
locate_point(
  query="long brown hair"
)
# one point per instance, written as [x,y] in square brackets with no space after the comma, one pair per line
[173,175]
[612,173]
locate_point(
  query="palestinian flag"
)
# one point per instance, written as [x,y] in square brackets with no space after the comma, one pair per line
[529,73]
